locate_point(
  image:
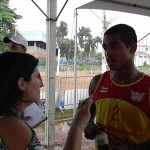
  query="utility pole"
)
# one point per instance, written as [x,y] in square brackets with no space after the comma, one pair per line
[103,55]
[15,30]
[75,64]
[103,31]
[50,72]
[58,59]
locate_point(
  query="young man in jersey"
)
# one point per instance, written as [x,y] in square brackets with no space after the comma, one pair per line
[121,101]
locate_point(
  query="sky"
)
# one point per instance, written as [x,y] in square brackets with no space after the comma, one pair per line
[34,20]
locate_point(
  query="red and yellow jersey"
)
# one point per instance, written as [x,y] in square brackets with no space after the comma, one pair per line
[124,110]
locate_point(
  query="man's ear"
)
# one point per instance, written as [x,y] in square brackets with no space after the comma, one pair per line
[133,48]
[24,50]
[22,84]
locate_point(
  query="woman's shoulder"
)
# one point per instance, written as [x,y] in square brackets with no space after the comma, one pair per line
[13,130]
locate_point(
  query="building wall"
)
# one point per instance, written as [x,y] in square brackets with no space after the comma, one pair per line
[36,52]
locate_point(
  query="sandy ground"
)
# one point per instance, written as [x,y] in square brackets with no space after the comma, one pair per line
[61,131]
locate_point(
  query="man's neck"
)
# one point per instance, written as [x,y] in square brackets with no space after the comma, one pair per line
[126,76]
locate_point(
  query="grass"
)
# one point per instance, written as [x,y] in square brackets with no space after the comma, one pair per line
[67,115]
[61,117]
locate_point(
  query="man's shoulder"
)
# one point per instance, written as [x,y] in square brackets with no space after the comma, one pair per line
[97,77]
[146,78]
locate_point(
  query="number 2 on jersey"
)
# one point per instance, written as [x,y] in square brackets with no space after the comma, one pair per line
[115,112]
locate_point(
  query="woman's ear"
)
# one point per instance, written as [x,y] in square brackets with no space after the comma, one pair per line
[22,84]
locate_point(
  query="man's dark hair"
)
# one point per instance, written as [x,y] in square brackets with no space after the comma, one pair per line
[13,66]
[127,33]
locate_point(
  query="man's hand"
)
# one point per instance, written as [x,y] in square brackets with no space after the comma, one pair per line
[91,131]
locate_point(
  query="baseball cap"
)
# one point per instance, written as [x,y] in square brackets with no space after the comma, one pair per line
[17,39]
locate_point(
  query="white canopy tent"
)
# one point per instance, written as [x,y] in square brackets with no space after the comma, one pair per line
[141,7]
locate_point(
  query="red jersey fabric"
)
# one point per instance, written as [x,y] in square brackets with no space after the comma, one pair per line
[124,110]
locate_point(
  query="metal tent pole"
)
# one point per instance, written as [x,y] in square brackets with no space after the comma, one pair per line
[50,71]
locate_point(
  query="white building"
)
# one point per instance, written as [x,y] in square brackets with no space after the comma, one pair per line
[36,42]
[141,58]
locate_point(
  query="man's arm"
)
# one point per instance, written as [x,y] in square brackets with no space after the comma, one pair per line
[91,131]
[92,87]
[93,84]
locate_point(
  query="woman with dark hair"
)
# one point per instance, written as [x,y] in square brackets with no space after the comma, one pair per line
[19,87]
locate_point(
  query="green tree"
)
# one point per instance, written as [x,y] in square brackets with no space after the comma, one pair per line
[99,56]
[97,40]
[8,19]
[61,32]
[80,56]
[89,47]
[87,42]
[83,35]
[67,48]
[106,23]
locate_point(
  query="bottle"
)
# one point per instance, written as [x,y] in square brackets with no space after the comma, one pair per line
[101,139]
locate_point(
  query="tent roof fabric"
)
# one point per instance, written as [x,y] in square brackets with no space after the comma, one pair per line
[141,7]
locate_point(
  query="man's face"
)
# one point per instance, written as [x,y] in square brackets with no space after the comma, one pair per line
[16,47]
[117,54]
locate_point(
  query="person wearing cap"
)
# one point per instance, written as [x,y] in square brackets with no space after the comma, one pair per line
[19,44]
[16,43]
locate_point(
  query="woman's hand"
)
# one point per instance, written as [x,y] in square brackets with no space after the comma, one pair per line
[83,115]
[79,123]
